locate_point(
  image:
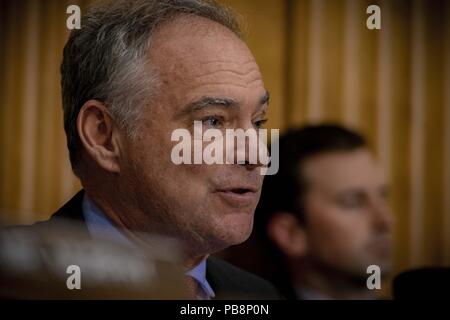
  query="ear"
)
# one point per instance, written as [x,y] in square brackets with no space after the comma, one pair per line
[99,135]
[284,230]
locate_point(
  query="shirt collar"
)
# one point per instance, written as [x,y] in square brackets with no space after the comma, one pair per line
[99,225]
[199,274]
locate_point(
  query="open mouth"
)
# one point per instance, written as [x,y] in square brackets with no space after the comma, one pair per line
[239,196]
[240,190]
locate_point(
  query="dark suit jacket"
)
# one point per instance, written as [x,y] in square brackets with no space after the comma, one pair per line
[227,281]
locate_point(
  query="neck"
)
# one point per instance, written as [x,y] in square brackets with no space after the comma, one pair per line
[329,283]
[190,260]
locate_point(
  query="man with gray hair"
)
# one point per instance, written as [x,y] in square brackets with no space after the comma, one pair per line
[135,72]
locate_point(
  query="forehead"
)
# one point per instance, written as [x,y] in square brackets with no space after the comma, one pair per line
[193,52]
[344,170]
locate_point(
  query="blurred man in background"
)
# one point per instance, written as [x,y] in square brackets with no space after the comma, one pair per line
[324,218]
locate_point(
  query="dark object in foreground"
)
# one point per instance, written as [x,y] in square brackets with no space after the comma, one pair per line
[425,283]
[64,263]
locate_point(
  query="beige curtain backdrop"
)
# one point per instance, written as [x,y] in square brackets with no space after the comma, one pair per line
[320,63]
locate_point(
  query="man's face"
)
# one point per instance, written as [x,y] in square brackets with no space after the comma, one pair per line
[348,222]
[208,206]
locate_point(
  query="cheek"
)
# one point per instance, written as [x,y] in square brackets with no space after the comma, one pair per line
[335,234]
[155,173]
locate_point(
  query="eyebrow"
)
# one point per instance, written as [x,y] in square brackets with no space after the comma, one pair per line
[207,101]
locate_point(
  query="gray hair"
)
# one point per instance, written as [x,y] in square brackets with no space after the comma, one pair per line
[107,58]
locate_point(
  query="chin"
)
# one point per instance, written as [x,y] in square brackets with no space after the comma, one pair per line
[241,228]
[239,238]
[233,235]
[385,267]
[227,229]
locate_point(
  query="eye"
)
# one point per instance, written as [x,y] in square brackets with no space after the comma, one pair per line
[352,201]
[260,123]
[213,121]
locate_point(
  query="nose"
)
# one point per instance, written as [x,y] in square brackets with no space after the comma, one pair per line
[248,165]
[248,148]
[383,218]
